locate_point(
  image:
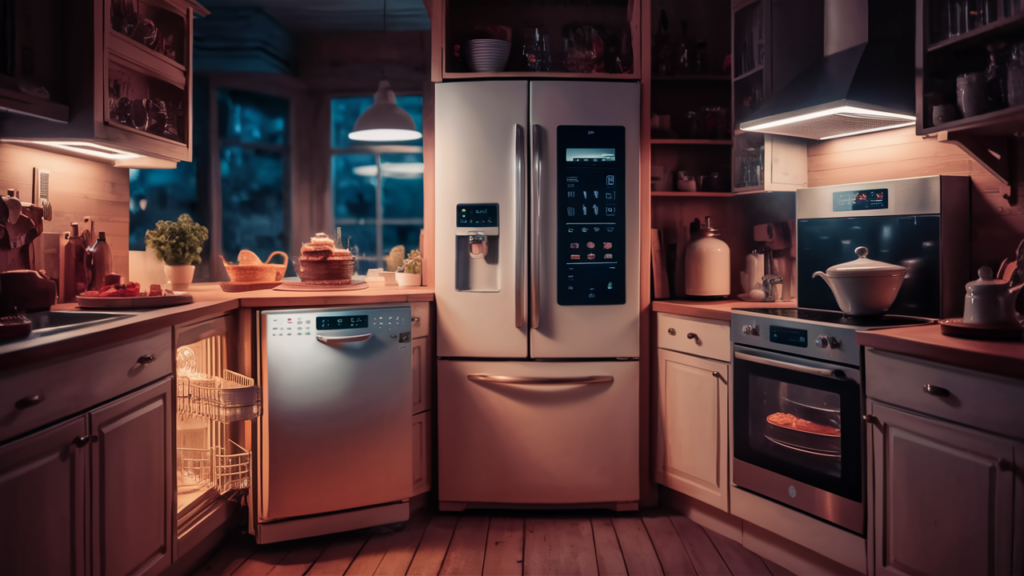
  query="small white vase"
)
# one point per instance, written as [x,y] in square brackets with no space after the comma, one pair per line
[180,277]
[406,279]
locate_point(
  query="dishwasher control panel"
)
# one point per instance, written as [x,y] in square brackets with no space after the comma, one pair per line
[395,322]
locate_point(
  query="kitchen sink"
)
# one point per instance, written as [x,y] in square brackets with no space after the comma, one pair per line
[45,323]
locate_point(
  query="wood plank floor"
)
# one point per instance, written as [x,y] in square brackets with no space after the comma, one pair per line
[523,543]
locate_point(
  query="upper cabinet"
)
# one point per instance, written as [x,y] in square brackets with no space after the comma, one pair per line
[535,38]
[124,73]
[970,76]
[771,45]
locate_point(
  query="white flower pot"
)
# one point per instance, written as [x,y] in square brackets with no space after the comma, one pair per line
[406,279]
[179,276]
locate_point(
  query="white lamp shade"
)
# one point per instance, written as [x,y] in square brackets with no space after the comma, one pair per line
[384,121]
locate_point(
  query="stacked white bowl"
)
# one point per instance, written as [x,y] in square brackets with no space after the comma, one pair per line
[487,55]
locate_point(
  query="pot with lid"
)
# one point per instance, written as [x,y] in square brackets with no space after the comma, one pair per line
[864,287]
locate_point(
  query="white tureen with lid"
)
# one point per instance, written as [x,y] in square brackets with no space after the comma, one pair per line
[864,287]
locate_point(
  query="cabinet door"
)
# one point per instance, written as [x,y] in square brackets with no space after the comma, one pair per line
[422,455]
[42,502]
[693,427]
[943,499]
[422,375]
[132,485]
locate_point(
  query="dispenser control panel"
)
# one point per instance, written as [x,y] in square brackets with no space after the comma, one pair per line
[591,215]
[477,215]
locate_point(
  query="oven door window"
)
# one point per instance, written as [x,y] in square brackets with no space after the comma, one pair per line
[792,423]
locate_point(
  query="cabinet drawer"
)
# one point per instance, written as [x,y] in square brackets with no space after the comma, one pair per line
[420,319]
[698,336]
[983,401]
[35,396]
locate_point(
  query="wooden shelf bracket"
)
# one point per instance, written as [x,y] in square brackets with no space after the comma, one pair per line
[992,152]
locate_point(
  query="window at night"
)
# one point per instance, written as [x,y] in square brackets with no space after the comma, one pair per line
[253,133]
[375,224]
[159,195]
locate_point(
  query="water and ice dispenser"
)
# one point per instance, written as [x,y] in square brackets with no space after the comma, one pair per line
[477,248]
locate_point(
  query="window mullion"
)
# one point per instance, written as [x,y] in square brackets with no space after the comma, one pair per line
[378,227]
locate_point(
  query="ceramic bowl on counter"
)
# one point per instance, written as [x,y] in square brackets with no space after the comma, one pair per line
[864,287]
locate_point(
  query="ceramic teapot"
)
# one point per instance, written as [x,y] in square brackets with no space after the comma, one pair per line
[991,302]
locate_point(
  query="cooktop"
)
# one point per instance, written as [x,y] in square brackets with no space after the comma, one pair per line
[831,317]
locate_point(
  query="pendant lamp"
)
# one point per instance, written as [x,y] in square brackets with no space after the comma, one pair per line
[384,121]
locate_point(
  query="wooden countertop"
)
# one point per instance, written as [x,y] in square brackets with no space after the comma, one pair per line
[712,309]
[928,343]
[210,301]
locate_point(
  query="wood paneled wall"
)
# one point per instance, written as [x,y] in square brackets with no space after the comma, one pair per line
[78,188]
[996,225]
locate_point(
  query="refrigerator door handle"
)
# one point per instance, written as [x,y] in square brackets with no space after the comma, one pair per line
[539,381]
[536,176]
[520,170]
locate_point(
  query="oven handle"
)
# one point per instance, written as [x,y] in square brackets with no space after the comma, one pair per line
[823,372]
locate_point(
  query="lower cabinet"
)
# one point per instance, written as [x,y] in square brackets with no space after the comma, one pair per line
[132,482]
[943,496]
[692,446]
[43,501]
[422,454]
[49,517]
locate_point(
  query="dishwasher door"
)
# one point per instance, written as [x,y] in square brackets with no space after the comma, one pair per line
[335,432]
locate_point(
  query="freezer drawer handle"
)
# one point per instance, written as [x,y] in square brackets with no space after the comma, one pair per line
[337,342]
[823,372]
[539,381]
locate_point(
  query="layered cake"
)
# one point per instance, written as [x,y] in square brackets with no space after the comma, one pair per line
[321,263]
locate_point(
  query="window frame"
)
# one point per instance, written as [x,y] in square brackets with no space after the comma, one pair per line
[378,150]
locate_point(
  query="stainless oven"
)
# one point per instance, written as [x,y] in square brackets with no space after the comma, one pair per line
[798,435]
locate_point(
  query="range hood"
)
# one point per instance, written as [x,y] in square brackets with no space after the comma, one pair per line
[864,83]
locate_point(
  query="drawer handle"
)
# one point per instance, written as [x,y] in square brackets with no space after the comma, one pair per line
[147,359]
[671,331]
[935,390]
[29,401]
[81,441]
[693,336]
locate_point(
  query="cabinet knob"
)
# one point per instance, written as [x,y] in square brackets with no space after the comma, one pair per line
[81,441]
[871,419]
[671,331]
[415,320]
[935,390]
[147,359]
[692,336]
[29,401]
[717,374]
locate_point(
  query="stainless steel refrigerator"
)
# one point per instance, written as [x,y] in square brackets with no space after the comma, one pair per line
[537,288]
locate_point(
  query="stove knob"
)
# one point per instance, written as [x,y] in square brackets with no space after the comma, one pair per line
[834,342]
[821,341]
[749,330]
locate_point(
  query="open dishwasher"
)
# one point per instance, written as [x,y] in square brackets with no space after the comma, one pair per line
[334,445]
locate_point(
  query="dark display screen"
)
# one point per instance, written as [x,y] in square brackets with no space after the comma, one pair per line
[788,336]
[854,200]
[591,215]
[477,215]
[341,322]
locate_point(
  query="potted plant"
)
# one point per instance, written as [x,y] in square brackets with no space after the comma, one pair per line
[178,245]
[409,273]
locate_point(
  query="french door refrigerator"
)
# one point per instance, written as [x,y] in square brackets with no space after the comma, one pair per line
[537,289]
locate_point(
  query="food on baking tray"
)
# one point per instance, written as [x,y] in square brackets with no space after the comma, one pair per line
[129,290]
[785,420]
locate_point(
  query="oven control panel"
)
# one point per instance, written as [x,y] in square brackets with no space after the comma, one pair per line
[591,215]
[807,339]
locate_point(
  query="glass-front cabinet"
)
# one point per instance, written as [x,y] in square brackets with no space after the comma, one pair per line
[214,405]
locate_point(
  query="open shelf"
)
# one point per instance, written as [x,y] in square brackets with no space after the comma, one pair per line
[691,194]
[996,123]
[693,78]
[689,142]
[1003,28]
[18,102]
[750,72]
[528,74]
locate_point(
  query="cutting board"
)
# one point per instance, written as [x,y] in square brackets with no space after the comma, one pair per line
[136,302]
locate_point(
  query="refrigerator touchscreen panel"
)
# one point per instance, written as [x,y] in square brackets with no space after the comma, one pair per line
[591,215]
